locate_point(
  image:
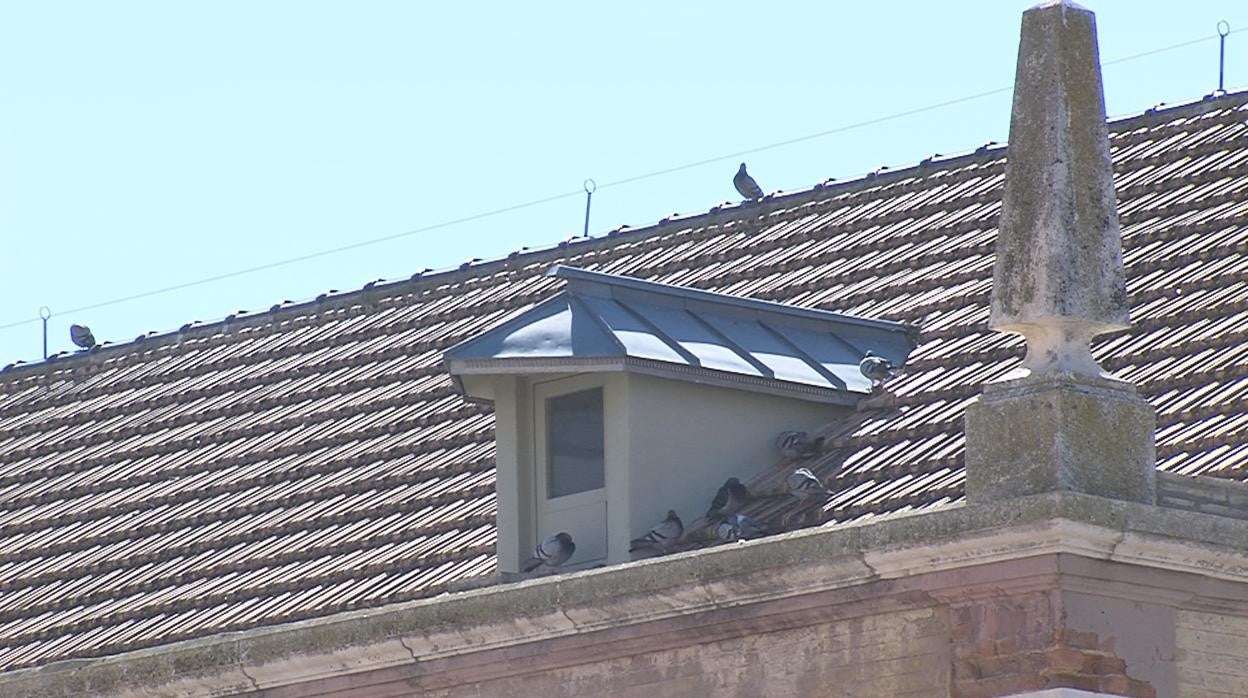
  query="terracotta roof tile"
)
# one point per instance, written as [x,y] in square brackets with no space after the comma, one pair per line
[316,458]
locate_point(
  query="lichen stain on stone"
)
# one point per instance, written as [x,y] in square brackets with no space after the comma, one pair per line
[1059,439]
[1059,249]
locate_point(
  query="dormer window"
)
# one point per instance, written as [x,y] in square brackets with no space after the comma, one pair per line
[618,399]
[570,463]
[575,459]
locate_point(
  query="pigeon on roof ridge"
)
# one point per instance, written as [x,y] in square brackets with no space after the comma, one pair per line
[746,186]
[81,336]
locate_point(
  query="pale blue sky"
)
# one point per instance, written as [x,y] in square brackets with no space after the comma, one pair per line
[149,144]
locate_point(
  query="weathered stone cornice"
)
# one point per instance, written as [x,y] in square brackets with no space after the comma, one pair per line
[853,563]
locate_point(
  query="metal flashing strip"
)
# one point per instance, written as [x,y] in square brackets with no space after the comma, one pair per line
[658,369]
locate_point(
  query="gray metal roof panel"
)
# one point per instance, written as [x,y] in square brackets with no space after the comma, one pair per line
[555,327]
[711,351]
[607,316]
[583,278]
[637,338]
[781,358]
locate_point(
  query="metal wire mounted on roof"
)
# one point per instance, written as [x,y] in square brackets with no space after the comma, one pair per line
[44,313]
[590,187]
[1224,28]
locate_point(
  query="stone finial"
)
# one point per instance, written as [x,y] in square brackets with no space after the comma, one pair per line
[1059,282]
[1058,279]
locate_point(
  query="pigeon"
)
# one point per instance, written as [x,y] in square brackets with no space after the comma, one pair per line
[797,444]
[663,536]
[732,495]
[876,368]
[746,185]
[739,527]
[81,336]
[552,552]
[804,485]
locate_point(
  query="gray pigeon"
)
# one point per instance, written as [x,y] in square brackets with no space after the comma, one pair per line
[797,444]
[876,368]
[552,552]
[804,485]
[81,336]
[663,536]
[732,495]
[746,186]
[739,527]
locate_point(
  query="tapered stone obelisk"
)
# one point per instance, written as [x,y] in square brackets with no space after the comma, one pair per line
[1059,423]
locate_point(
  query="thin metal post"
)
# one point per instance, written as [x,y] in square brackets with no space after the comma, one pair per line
[1224,28]
[44,313]
[590,187]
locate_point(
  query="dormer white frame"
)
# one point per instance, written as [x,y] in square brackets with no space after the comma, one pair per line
[584,512]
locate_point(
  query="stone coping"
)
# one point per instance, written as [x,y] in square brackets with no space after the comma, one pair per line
[679,584]
[1105,385]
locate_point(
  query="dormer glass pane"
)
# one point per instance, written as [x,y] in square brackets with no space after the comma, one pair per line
[575,460]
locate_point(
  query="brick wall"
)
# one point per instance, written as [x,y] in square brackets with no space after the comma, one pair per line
[1211,654]
[1004,646]
[902,654]
[978,648]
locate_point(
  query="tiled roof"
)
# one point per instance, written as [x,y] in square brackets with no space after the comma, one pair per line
[318,459]
[618,322]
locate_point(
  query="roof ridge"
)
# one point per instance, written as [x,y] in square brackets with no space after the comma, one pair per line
[421,282]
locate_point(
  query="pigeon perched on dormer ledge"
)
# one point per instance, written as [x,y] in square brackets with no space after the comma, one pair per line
[739,527]
[803,485]
[552,552]
[729,499]
[877,369]
[798,444]
[662,537]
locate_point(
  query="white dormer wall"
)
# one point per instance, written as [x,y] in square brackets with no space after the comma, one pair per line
[685,439]
[668,445]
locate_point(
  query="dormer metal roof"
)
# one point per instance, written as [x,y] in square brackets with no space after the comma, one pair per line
[603,322]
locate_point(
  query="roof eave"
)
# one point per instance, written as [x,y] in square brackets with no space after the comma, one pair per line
[658,369]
